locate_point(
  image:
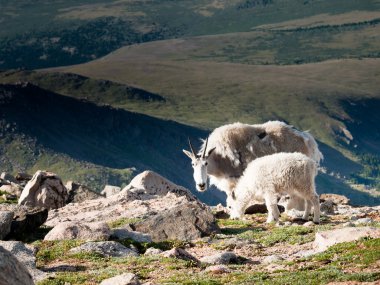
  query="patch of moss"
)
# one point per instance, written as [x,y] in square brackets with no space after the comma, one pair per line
[122,222]
[52,250]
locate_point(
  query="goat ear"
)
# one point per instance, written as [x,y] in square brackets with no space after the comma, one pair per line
[210,151]
[188,153]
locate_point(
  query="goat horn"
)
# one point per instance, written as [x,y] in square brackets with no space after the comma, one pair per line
[191,147]
[204,151]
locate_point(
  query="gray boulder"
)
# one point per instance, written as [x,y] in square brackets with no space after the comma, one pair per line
[123,279]
[6,218]
[80,231]
[26,220]
[12,271]
[26,256]
[78,193]
[105,248]
[188,221]
[45,190]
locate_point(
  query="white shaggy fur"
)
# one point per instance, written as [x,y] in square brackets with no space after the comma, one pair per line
[270,176]
[236,145]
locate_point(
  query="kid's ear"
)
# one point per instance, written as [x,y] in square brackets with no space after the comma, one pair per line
[188,153]
[210,151]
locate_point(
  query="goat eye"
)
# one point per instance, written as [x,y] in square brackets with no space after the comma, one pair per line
[206,163]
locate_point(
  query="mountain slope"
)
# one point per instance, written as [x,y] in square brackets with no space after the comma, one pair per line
[59,129]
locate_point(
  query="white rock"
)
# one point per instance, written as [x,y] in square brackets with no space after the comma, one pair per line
[323,240]
[123,279]
[363,221]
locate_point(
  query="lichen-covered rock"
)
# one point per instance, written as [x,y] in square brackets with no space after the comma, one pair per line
[78,193]
[12,271]
[105,248]
[45,190]
[11,188]
[6,218]
[25,255]
[80,231]
[188,221]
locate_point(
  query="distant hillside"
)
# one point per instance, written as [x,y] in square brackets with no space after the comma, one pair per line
[47,130]
[50,33]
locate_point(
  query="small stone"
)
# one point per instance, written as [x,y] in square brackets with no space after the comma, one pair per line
[180,254]
[309,224]
[218,269]
[363,221]
[335,198]
[272,259]
[153,251]
[123,279]
[327,207]
[220,258]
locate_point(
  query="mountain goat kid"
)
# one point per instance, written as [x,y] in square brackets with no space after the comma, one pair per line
[268,177]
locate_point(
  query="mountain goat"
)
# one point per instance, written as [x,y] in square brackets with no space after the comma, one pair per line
[273,175]
[228,150]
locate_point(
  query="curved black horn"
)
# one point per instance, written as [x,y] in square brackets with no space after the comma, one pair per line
[204,151]
[191,147]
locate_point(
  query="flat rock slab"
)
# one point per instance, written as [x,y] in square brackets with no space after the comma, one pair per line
[80,231]
[323,240]
[105,248]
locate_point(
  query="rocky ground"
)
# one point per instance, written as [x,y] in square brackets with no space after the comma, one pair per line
[156,232]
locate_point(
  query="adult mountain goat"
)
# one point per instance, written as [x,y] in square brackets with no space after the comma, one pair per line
[228,150]
[274,175]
